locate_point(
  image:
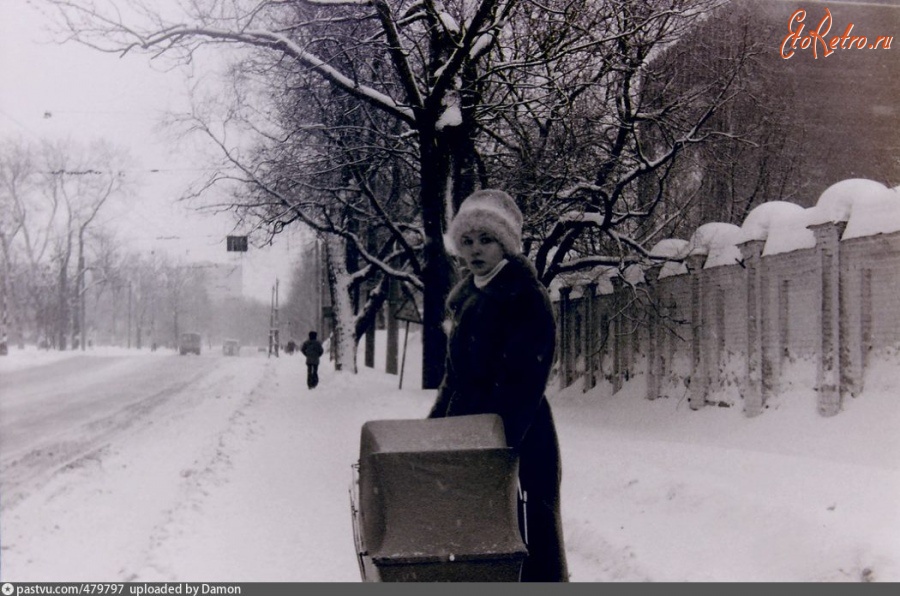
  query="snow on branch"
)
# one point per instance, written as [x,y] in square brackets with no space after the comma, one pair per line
[92,24]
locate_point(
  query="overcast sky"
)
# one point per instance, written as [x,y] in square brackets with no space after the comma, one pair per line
[50,91]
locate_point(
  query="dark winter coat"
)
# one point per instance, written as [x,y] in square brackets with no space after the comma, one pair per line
[312,349]
[500,353]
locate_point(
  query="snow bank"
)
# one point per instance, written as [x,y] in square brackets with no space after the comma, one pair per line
[30,356]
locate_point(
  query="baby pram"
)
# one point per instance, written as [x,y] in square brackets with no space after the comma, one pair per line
[436,500]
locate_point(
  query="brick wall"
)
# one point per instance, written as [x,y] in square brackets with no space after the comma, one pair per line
[722,335]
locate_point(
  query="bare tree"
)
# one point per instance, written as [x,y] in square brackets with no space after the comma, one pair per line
[764,156]
[584,121]
[53,194]
[425,48]
[562,102]
[16,174]
[81,181]
[29,232]
[342,170]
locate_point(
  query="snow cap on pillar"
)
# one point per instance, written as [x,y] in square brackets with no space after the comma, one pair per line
[488,210]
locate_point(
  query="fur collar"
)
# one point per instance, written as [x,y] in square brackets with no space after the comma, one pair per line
[517,275]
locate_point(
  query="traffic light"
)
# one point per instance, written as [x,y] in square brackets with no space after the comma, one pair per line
[236,243]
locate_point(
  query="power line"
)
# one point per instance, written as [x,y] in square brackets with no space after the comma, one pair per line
[127,171]
[19,124]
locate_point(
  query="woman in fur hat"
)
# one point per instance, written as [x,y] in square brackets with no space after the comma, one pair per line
[499,357]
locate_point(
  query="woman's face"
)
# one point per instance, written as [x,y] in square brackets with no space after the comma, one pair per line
[480,251]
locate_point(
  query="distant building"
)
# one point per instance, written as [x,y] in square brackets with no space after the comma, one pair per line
[224,281]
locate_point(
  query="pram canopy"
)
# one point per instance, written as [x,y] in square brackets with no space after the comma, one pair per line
[437,501]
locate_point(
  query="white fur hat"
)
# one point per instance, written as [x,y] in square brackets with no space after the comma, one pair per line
[492,211]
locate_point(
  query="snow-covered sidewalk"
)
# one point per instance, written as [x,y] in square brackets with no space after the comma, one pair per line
[282,510]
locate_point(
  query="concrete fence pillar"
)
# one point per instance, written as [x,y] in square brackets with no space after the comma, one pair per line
[754,398]
[699,374]
[780,352]
[566,365]
[617,334]
[863,344]
[590,336]
[654,332]
[828,374]
[855,326]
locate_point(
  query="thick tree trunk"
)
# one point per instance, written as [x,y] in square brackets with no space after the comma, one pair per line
[437,272]
[62,312]
[78,318]
[343,336]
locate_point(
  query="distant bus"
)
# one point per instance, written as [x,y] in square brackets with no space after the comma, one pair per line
[189,342]
[231,347]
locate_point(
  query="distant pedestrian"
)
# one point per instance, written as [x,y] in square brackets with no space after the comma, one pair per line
[312,349]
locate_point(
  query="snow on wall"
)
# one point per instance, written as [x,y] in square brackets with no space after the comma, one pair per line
[868,207]
[791,277]
[672,268]
[789,232]
[836,203]
[671,248]
[761,219]
[878,215]
[579,280]
[714,235]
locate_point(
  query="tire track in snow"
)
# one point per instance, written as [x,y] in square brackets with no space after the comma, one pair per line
[199,480]
[25,472]
[49,535]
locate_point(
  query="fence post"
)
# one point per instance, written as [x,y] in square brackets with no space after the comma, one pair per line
[829,373]
[856,323]
[754,393]
[699,376]
[654,349]
[861,342]
[617,336]
[565,334]
[590,335]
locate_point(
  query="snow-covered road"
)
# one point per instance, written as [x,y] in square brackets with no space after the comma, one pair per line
[55,415]
[170,468]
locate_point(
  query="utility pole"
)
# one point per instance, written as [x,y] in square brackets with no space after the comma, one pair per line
[82,333]
[4,339]
[129,316]
[273,321]
[277,322]
[318,315]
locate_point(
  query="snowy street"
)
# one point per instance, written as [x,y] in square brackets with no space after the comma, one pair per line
[160,468]
[47,425]
[157,467]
